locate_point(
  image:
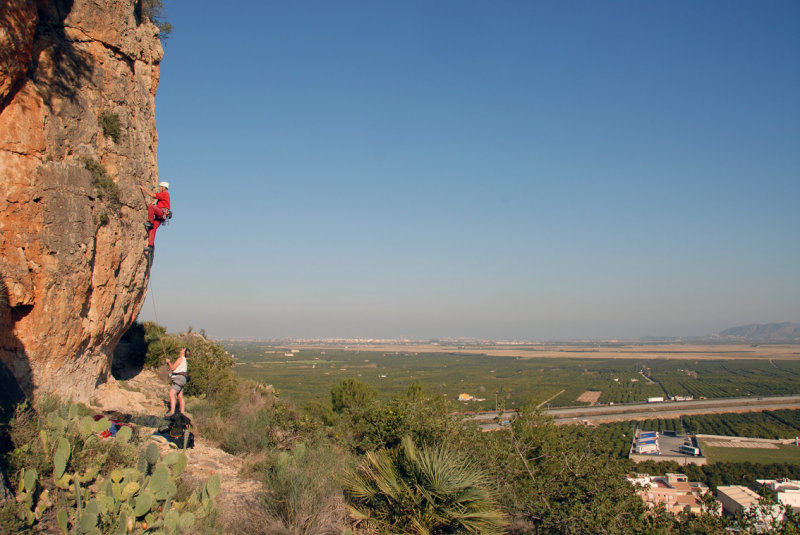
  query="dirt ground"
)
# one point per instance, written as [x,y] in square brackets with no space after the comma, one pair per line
[143,397]
[589,397]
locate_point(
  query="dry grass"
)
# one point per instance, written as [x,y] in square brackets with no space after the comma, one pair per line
[589,397]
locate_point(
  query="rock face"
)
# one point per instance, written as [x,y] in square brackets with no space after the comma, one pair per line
[73,273]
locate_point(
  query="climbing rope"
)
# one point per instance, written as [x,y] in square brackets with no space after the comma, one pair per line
[155,315]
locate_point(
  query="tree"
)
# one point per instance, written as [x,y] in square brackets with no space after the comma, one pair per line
[350,394]
[210,370]
[553,479]
[153,10]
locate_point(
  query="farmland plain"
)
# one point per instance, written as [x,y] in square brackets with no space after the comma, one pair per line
[510,376]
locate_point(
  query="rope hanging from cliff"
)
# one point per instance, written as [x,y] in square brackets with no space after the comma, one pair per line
[155,315]
[150,289]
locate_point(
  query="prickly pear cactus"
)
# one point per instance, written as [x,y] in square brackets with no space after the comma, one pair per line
[132,500]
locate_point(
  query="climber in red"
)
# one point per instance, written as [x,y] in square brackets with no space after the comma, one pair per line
[156,212]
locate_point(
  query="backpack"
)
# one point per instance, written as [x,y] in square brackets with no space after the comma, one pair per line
[178,431]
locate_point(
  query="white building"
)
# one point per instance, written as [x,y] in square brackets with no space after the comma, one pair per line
[788,490]
[736,498]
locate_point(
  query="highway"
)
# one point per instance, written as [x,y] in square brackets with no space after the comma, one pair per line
[641,411]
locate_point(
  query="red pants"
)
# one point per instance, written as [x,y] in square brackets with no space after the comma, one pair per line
[155,216]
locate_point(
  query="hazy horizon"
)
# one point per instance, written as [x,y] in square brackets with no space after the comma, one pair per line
[468,169]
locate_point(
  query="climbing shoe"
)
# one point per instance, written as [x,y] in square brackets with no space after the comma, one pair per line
[148,226]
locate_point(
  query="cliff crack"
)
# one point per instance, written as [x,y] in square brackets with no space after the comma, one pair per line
[20,153]
[116,50]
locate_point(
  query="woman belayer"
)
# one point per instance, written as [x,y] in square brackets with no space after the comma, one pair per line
[178,378]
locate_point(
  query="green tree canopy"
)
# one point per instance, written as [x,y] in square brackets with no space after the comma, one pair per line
[349,394]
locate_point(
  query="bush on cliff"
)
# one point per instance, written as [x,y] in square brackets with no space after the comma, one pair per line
[106,188]
[109,122]
[153,10]
[351,395]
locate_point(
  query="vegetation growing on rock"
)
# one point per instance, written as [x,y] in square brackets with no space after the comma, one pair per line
[110,124]
[107,189]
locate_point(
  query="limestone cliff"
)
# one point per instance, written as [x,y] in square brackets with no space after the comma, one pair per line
[72,270]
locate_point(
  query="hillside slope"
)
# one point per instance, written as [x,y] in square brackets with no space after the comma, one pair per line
[773,332]
[144,396]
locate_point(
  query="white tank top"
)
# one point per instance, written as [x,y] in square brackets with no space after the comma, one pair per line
[182,367]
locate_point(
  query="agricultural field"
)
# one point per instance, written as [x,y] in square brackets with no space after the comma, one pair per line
[725,378]
[780,454]
[308,373]
[784,424]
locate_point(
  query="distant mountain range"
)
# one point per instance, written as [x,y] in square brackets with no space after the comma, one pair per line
[772,332]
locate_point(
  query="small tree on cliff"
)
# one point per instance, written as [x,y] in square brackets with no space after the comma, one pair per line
[153,10]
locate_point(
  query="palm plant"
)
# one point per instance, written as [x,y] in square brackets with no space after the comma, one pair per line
[423,491]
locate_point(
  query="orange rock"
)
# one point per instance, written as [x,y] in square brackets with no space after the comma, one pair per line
[72,273]
[18,19]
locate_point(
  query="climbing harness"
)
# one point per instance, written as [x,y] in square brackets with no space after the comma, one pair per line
[166,215]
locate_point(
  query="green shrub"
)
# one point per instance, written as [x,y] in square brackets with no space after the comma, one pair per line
[160,345]
[210,366]
[428,420]
[302,496]
[351,394]
[153,11]
[321,413]
[110,124]
[257,422]
[270,427]
[210,370]
[107,189]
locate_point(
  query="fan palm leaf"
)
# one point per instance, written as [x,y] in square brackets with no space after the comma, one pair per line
[427,491]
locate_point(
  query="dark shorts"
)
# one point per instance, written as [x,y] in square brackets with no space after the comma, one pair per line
[178,382]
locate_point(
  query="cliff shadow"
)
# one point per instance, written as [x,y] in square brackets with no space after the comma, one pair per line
[14,364]
[68,66]
[129,354]
[14,37]
[15,370]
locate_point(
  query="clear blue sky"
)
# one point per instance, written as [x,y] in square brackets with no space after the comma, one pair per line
[540,170]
